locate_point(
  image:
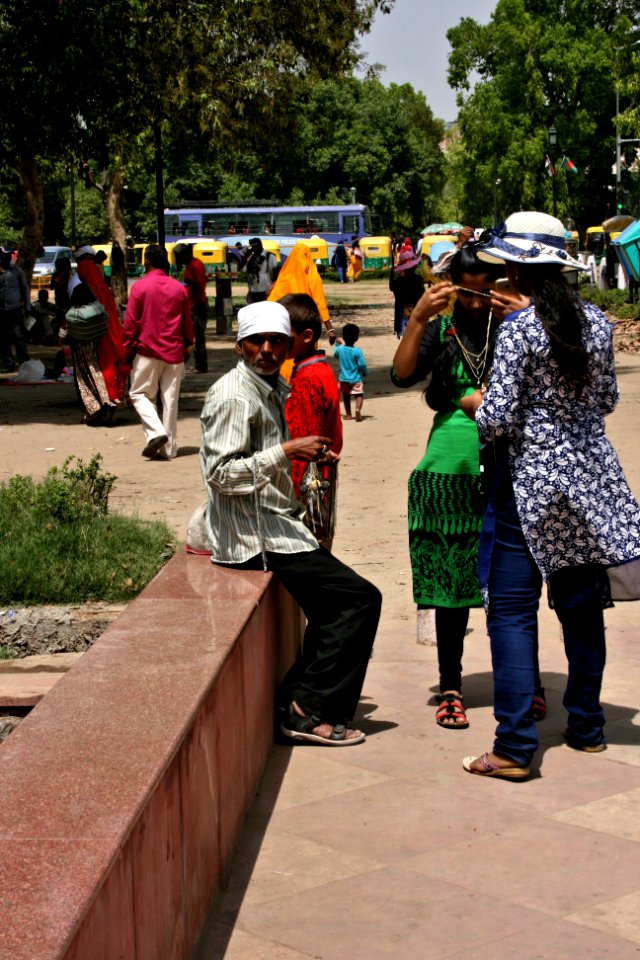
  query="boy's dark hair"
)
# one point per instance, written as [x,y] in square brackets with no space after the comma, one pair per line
[303,313]
[157,256]
[350,333]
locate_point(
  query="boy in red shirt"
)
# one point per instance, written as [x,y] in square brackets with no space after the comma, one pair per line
[313,406]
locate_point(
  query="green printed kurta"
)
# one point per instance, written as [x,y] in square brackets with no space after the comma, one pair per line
[446,509]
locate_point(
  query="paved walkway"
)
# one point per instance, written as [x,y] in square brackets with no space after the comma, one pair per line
[389,849]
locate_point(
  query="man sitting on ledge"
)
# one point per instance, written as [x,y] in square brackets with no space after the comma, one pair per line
[254,522]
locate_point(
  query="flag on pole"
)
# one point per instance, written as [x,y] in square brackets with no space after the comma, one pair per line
[548,165]
[568,165]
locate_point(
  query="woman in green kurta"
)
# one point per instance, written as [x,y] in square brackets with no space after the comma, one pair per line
[452,352]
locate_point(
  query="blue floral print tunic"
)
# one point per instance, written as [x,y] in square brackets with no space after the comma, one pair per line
[573,501]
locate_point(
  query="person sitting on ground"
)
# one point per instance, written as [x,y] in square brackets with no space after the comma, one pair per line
[42,311]
[314,402]
[254,522]
[353,368]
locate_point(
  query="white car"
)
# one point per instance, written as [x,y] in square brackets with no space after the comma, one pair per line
[45,264]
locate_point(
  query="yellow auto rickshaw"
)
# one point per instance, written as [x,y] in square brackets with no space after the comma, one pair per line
[595,240]
[104,248]
[377,252]
[319,250]
[213,254]
[430,238]
[272,246]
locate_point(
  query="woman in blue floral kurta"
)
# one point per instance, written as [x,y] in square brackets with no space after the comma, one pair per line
[560,510]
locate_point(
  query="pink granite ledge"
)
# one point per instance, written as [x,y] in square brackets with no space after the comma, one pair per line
[122,793]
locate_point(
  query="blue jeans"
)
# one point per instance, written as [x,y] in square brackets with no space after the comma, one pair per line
[515,585]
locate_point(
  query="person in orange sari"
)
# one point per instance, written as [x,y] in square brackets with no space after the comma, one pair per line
[299,274]
[357,259]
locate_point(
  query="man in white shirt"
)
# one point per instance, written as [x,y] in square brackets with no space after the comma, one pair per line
[255,522]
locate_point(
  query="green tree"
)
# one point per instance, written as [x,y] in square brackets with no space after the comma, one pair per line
[540,63]
[384,142]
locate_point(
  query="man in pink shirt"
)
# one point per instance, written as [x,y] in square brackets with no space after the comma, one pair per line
[157,332]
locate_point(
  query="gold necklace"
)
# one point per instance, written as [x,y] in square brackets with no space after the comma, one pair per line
[476,361]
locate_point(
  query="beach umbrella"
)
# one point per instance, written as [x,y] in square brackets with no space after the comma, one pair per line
[432,228]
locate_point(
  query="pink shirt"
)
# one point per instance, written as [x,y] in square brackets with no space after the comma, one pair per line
[158,318]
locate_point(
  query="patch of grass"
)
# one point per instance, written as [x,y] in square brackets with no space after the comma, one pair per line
[615,302]
[59,544]
[5,653]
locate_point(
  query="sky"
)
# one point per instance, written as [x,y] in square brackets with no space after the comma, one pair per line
[411,42]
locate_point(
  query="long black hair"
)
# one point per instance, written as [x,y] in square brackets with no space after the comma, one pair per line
[561,314]
[439,392]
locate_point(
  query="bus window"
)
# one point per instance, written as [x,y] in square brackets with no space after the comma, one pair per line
[208,228]
[283,224]
[300,225]
[190,228]
[171,225]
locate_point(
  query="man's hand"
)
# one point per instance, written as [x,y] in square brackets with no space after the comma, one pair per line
[308,448]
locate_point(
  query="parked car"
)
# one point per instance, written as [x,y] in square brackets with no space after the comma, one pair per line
[45,264]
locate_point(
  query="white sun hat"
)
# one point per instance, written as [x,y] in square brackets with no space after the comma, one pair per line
[527,237]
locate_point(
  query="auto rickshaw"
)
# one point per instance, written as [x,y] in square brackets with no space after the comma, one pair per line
[213,254]
[135,259]
[319,250]
[271,245]
[595,240]
[430,238]
[377,252]
[104,248]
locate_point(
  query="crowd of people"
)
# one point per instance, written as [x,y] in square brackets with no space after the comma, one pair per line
[518,485]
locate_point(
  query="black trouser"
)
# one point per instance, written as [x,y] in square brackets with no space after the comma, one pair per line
[451,626]
[199,317]
[342,611]
[12,330]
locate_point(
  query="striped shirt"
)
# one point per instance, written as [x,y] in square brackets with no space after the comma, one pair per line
[251,503]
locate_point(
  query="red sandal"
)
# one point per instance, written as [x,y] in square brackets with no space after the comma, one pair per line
[539,705]
[450,713]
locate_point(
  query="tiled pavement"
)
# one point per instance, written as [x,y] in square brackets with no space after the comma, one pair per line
[390,850]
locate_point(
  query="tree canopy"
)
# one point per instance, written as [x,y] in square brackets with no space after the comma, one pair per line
[541,64]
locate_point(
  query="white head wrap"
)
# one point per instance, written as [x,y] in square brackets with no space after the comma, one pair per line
[85,251]
[264,317]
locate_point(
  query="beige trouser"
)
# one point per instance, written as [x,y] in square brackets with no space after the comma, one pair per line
[150,377]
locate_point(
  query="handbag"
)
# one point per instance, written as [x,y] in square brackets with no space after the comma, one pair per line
[88,322]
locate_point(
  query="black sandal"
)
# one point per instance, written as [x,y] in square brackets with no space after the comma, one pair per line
[450,713]
[299,727]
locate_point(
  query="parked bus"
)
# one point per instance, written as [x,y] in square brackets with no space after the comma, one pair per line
[329,222]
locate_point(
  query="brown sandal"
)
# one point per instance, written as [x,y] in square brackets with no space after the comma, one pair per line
[450,713]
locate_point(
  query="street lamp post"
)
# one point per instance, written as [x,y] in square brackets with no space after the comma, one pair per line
[553,140]
[495,199]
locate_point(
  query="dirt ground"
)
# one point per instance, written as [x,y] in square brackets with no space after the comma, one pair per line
[41,425]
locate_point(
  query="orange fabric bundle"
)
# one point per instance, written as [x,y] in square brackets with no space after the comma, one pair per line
[299,274]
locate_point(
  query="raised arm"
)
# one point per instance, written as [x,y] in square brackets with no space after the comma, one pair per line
[432,302]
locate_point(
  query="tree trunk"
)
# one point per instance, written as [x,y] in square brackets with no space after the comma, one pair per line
[118,236]
[34,221]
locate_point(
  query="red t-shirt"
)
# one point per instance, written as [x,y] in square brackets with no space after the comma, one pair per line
[313,408]
[195,278]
